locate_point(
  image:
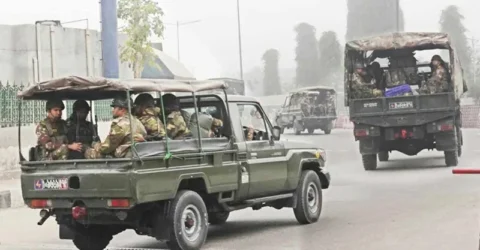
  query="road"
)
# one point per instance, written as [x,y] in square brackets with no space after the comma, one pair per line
[408,203]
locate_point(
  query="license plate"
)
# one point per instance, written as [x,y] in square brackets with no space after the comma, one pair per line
[401,105]
[51,184]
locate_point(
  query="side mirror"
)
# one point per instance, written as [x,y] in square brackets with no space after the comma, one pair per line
[276,132]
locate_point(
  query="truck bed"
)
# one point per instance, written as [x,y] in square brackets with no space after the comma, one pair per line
[403,110]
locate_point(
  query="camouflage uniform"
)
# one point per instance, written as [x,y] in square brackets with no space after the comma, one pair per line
[150,117]
[362,88]
[85,133]
[176,126]
[51,135]
[437,83]
[118,141]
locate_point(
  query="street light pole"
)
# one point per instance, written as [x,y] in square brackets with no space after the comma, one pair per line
[178,24]
[397,2]
[239,40]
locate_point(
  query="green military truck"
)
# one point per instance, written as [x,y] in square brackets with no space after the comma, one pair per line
[308,109]
[407,121]
[172,189]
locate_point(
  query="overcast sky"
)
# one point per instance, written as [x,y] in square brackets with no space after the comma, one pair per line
[210,47]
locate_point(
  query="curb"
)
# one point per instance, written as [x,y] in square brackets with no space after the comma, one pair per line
[5,199]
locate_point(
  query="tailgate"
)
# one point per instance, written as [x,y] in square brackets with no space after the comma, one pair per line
[402,105]
[68,180]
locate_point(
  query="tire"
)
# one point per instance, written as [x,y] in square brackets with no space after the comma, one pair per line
[327,131]
[369,162]
[218,218]
[311,130]
[451,158]
[309,198]
[190,205]
[383,156]
[93,238]
[459,142]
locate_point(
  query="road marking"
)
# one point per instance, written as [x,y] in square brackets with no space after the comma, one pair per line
[60,247]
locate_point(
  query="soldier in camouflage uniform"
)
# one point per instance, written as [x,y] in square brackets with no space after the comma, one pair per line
[176,126]
[173,99]
[118,142]
[438,82]
[217,123]
[79,129]
[149,116]
[52,134]
[363,86]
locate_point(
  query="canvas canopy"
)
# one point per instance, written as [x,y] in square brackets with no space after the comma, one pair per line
[315,88]
[403,40]
[95,88]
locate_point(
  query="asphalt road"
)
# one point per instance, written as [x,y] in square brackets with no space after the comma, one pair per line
[408,203]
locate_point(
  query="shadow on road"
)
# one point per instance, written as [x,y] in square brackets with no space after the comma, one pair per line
[412,164]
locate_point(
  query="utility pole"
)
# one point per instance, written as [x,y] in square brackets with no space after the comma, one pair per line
[178,24]
[474,73]
[239,40]
[397,4]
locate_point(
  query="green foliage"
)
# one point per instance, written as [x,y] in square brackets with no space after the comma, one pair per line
[306,56]
[143,18]
[271,78]
[330,63]
[372,17]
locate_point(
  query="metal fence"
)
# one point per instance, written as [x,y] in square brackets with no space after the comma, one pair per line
[34,111]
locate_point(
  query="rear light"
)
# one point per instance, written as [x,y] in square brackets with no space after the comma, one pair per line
[361,132]
[40,203]
[404,134]
[118,203]
[78,212]
[446,127]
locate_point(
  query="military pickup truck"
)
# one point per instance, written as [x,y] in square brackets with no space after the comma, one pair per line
[173,189]
[409,116]
[308,109]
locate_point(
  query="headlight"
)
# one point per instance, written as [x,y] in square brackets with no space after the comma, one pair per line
[320,153]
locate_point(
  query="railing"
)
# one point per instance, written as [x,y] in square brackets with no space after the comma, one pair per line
[34,111]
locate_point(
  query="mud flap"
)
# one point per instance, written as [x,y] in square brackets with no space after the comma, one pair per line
[66,232]
[369,146]
[446,141]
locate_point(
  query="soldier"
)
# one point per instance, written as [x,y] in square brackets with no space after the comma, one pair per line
[217,123]
[176,127]
[173,99]
[79,129]
[52,134]
[363,86]
[149,116]
[438,82]
[118,141]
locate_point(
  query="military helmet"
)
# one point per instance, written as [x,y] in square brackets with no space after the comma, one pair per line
[54,103]
[437,58]
[80,104]
[145,99]
[121,102]
[169,99]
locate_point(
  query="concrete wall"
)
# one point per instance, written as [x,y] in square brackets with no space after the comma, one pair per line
[18,53]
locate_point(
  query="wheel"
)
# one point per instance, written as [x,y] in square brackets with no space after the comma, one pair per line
[459,142]
[311,130]
[93,238]
[218,218]
[187,220]
[451,158]
[383,156]
[369,162]
[327,131]
[309,198]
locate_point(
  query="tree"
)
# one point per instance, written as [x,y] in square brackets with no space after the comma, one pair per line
[372,17]
[271,78]
[306,55]
[451,22]
[143,18]
[330,59]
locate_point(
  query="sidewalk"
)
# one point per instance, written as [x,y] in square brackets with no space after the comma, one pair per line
[13,187]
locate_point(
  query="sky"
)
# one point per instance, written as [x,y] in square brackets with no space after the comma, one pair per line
[209,48]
